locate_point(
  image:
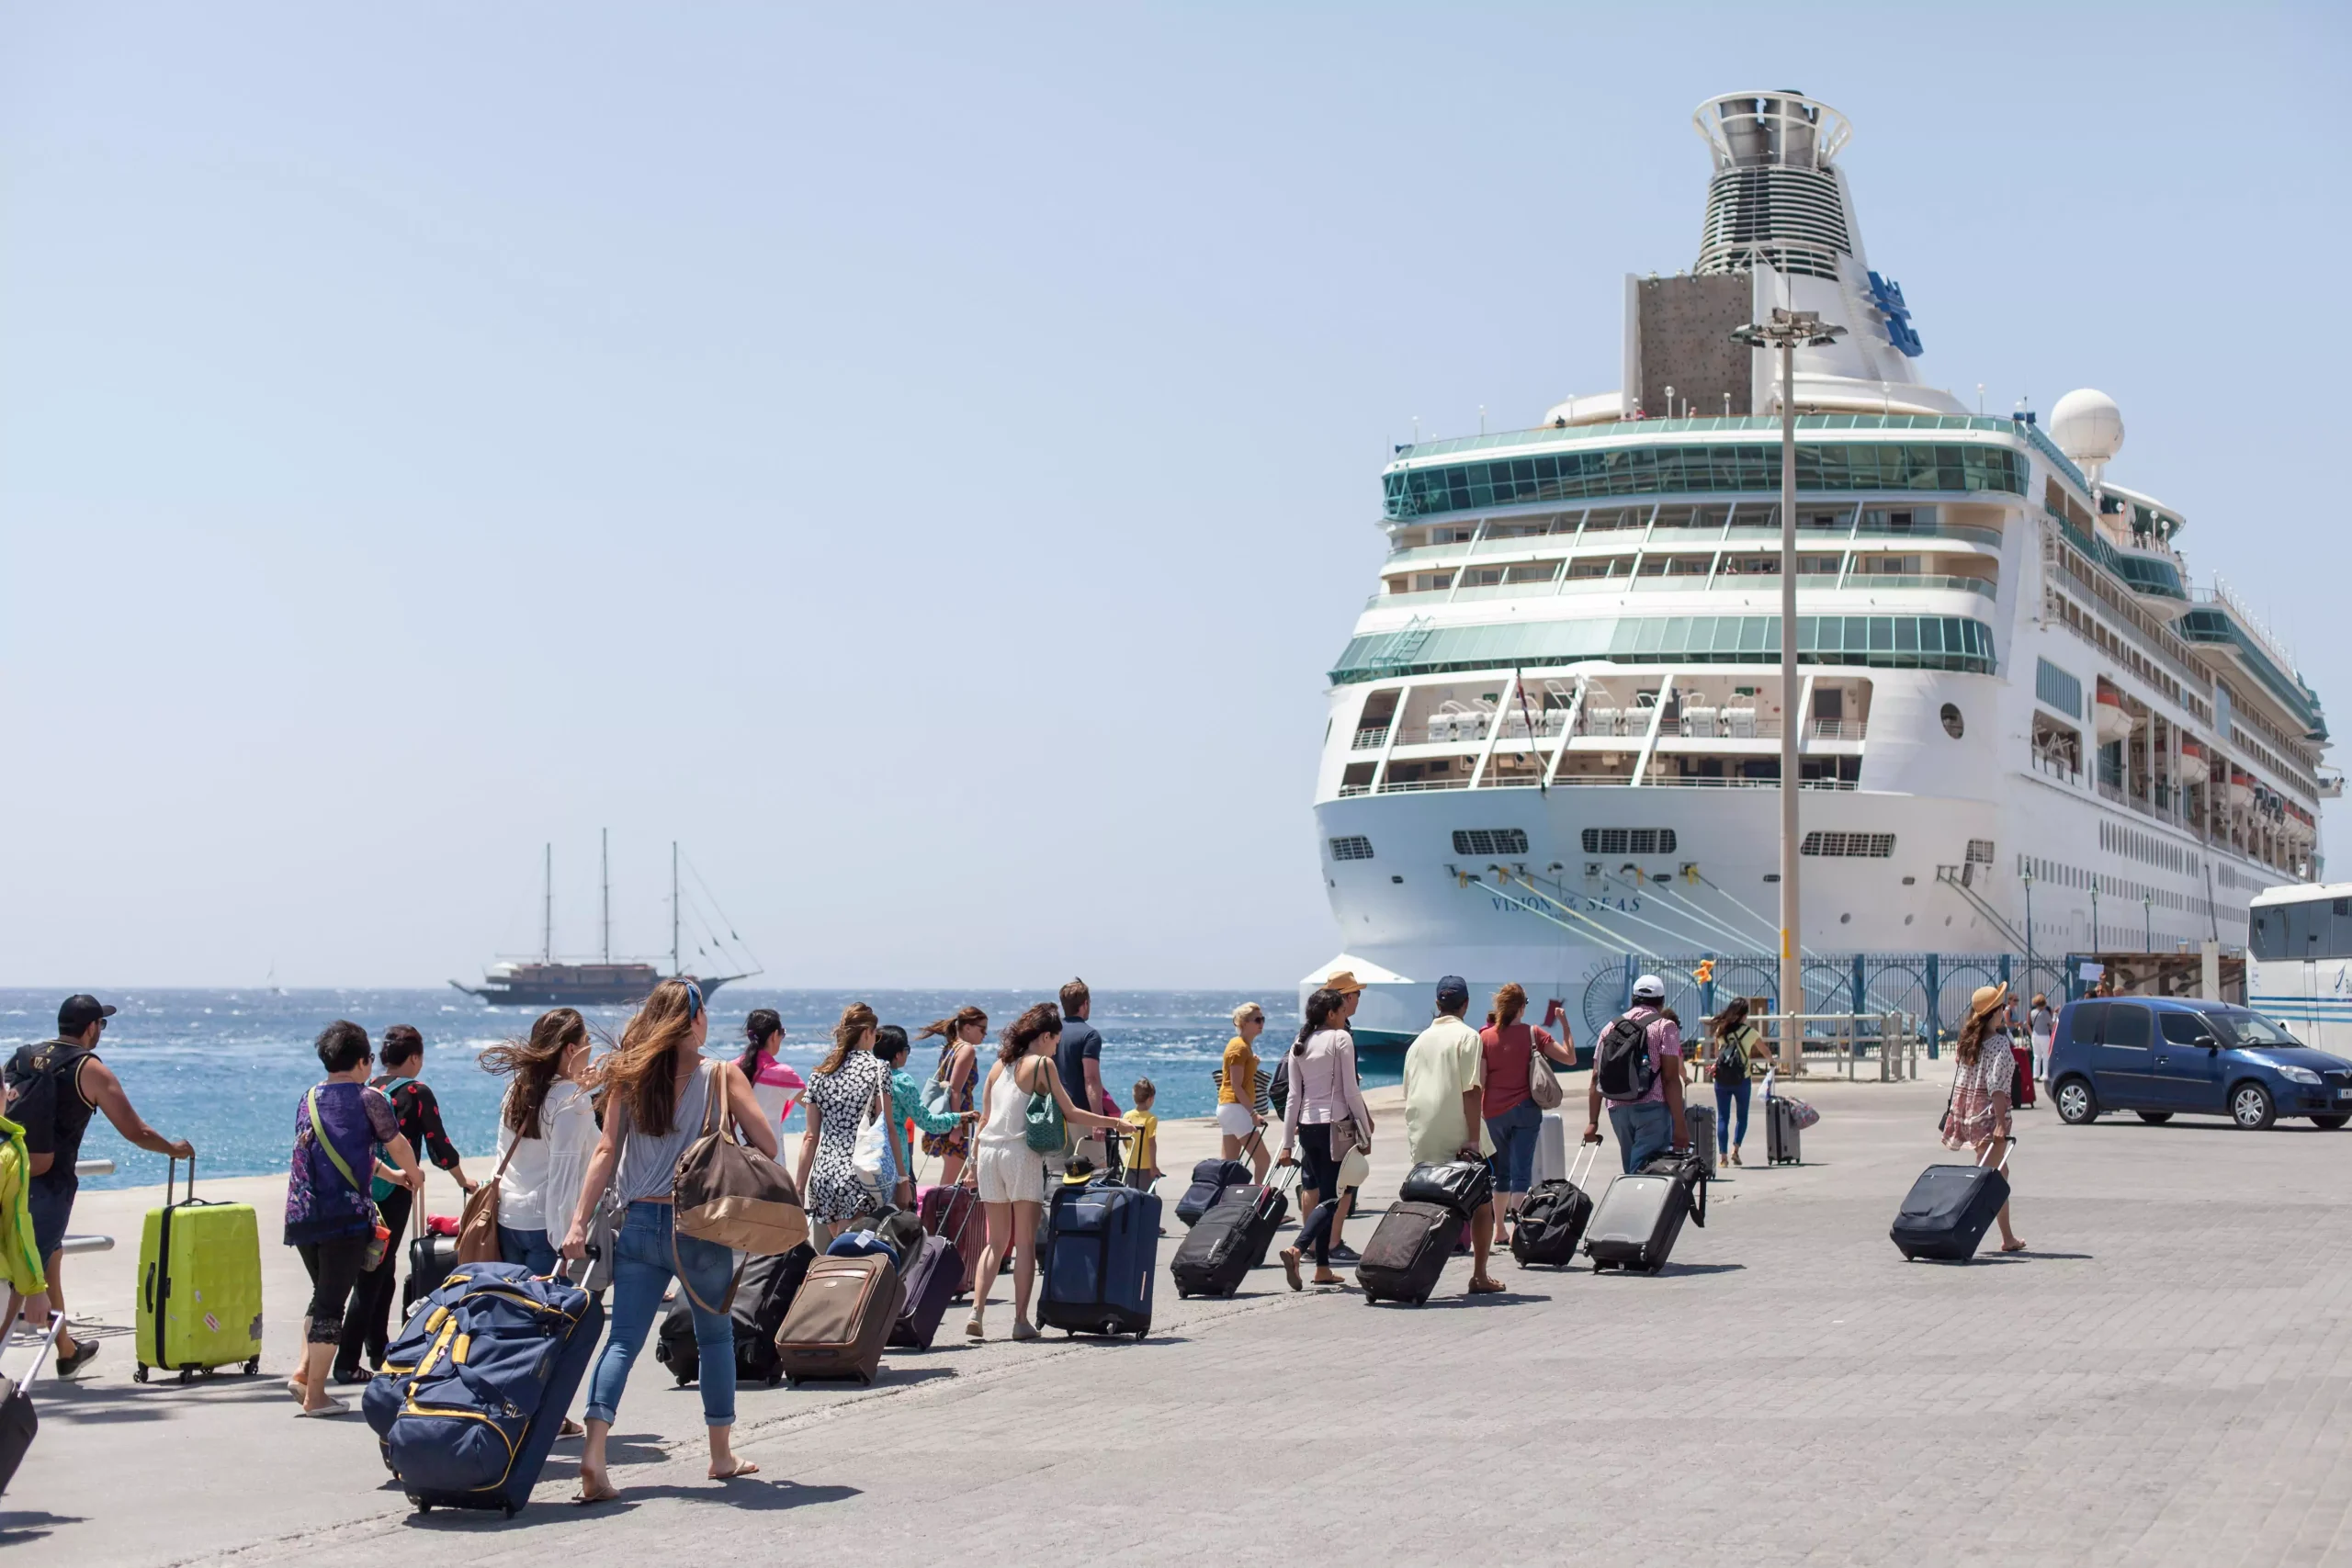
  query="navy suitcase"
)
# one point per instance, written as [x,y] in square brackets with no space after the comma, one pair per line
[1100,1247]
[1949,1209]
[475,1389]
[934,1277]
[1210,1180]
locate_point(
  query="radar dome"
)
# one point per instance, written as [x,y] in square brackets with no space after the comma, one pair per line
[2088,426]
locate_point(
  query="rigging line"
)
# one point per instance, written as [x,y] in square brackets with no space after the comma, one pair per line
[1774,932]
[1626,944]
[1679,936]
[757,967]
[1694,911]
[1521,904]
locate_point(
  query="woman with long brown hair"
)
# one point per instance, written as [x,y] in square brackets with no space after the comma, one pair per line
[1507,1049]
[959,1036]
[550,1125]
[659,1096]
[1012,1175]
[1733,1040]
[842,1087]
[1976,1117]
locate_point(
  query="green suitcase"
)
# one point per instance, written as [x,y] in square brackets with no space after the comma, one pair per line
[199,1285]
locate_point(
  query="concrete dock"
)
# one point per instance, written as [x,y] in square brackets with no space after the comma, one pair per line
[2163,1378]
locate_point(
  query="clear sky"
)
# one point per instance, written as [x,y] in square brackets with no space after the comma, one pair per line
[924,459]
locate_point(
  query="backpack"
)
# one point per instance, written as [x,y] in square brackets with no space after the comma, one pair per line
[33,1074]
[1731,1056]
[1622,1065]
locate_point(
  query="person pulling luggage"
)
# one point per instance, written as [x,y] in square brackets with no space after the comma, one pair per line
[1445,1109]
[1637,1071]
[1977,1116]
[1325,1116]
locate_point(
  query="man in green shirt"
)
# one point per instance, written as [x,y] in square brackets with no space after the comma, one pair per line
[1444,1095]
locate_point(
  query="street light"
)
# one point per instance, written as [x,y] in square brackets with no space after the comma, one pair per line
[2028,930]
[1788,331]
[2147,923]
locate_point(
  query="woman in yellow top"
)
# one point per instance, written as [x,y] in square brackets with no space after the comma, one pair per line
[20,1261]
[1237,1093]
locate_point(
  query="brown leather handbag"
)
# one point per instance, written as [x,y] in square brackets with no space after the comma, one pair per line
[478,1231]
[726,1191]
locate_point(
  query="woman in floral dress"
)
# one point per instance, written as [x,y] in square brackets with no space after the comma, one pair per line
[1977,1118]
[841,1090]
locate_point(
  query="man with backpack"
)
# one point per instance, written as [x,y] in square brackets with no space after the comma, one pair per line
[1638,1070]
[54,1086]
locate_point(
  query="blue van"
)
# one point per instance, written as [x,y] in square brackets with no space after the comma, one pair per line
[2159,1056]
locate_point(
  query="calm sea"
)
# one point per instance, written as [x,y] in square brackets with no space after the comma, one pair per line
[225,1069]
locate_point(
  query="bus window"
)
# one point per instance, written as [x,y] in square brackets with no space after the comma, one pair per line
[2315,928]
[2267,932]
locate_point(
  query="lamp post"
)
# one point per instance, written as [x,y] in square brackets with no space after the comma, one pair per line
[2029,931]
[1788,331]
[2147,923]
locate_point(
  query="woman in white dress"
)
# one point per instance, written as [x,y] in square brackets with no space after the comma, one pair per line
[547,1130]
[1976,1117]
[1012,1175]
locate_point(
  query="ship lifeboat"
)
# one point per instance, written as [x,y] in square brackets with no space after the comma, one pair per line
[2195,767]
[2241,788]
[2114,724]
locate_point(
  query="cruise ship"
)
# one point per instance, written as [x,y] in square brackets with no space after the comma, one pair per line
[1554,744]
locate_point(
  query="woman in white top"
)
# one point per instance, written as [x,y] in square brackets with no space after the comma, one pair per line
[547,1130]
[1011,1174]
[1325,1115]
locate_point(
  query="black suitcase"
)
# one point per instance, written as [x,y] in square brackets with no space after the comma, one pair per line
[1552,1218]
[1465,1186]
[18,1421]
[430,1259]
[1229,1241]
[762,1298]
[1210,1180]
[1641,1215]
[1949,1209]
[1783,1140]
[1408,1251]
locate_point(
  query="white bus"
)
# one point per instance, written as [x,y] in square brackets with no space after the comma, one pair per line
[2298,963]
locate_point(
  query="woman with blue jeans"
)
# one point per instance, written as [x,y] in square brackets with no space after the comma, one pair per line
[658,1097]
[547,1132]
[1732,1040]
[1513,1122]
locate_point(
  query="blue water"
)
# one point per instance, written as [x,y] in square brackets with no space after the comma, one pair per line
[224,1068]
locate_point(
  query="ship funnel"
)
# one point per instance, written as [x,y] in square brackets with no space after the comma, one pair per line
[1775,199]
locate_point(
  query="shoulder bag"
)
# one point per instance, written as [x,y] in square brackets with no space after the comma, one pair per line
[1046,1134]
[1543,1083]
[478,1231]
[379,1240]
[726,1191]
[872,1158]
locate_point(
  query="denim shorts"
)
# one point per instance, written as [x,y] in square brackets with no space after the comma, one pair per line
[1515,1132]
[51,1204]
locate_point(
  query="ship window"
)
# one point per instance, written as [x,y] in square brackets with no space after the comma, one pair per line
[1629,841]
[1953,725]
[1980,852]
[1865,846]
[1665,471]
[1354,846]
[2058,688]
[1490,842]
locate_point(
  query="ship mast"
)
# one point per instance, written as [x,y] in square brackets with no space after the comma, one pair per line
[674,967]
[546,906]
[605,865]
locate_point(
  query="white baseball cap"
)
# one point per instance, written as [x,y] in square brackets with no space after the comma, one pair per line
[1650,986]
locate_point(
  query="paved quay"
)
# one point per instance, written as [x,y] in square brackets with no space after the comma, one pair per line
[2164,1378]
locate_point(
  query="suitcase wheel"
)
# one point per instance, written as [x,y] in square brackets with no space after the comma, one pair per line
[187,1375]
[139,1373]
[1184,1295]
[1139,1334]
[419,1503]
[253,1367]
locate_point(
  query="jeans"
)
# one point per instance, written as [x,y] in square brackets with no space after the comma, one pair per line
[367,1323]
[335,1268]
[1323,1175]
[1728,1095]
[530,1248]
[1514,1133]
[641,1271]
[1644,1131]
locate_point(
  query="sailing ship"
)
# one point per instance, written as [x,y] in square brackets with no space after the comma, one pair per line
[548,981]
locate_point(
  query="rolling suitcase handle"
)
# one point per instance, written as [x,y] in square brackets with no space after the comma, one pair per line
[42,1348]
[2008,1146]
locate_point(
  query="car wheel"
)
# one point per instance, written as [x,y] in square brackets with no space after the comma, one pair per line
[2078,1107]
[2330,1123]
[2153,1118]
[2251,1107]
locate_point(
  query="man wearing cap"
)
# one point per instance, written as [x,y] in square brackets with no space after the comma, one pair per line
[1648,1124]
[56,1084]
[1445,1119]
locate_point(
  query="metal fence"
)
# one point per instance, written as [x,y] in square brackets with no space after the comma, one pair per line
[1931,988]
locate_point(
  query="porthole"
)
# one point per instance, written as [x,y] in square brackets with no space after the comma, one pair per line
[1953,727]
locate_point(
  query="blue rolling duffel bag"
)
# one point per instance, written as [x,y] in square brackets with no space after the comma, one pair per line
[475,1388]
[1102,1243]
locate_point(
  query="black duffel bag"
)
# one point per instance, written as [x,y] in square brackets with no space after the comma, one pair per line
[1464,1186]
